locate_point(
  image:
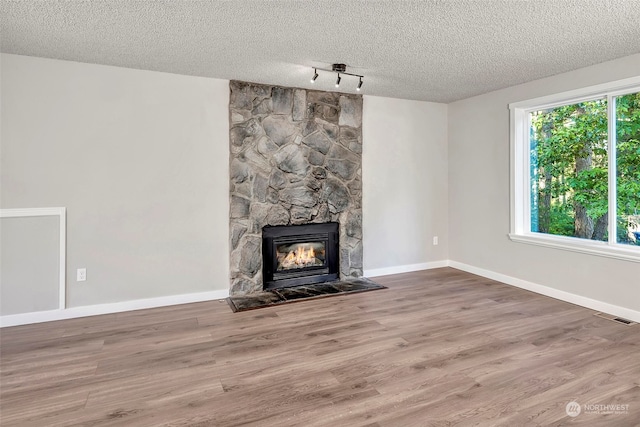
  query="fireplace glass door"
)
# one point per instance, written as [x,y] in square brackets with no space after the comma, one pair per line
[299,254]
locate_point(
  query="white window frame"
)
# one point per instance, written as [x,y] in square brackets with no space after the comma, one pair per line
[520,229]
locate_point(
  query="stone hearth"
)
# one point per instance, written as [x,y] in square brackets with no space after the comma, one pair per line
[301,293]
[296,158]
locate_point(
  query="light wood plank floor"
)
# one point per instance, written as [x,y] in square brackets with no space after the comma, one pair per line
[438,348]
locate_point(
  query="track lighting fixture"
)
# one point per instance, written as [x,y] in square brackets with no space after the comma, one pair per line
[340,69]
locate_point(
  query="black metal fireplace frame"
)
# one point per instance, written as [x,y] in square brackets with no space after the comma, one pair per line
[272,236]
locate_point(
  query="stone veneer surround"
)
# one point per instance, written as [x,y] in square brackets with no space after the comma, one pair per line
[296,158]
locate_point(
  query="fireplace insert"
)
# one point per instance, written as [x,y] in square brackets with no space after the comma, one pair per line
[300,254]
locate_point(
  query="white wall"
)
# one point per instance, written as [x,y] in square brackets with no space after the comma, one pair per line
[404,174]
[140,161]
[479,196]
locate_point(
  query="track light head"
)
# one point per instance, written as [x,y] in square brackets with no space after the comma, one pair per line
[338,81]
[315,76]
[359,85]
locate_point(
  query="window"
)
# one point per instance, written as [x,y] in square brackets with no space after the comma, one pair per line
[576,170]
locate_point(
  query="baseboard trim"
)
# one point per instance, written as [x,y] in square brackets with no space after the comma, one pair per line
[405,268]
[582,301]
[94,310]
[117,307]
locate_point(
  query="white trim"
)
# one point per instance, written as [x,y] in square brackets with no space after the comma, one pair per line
[520,191]
[117,307]
[62,252]
[93,310]
[612,161]
[405,268]
[582,301]
[574,244]
[578,95]
[518,183]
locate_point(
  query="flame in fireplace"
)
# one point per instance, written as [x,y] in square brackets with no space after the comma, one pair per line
[299,258]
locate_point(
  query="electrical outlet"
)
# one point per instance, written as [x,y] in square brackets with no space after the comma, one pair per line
[435,240]
[81,275]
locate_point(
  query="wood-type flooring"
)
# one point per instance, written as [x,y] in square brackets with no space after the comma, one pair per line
[438,348]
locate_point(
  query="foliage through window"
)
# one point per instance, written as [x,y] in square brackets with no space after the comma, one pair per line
[569,176]
[628,168]
[579,162]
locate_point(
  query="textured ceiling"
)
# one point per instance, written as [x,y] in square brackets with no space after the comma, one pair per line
[432,50]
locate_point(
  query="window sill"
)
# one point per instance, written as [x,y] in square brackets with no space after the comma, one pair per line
[578,245]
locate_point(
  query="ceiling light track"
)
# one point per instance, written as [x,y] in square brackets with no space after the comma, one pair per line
[340,69]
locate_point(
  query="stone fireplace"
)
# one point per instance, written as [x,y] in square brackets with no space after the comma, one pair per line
[295,159]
